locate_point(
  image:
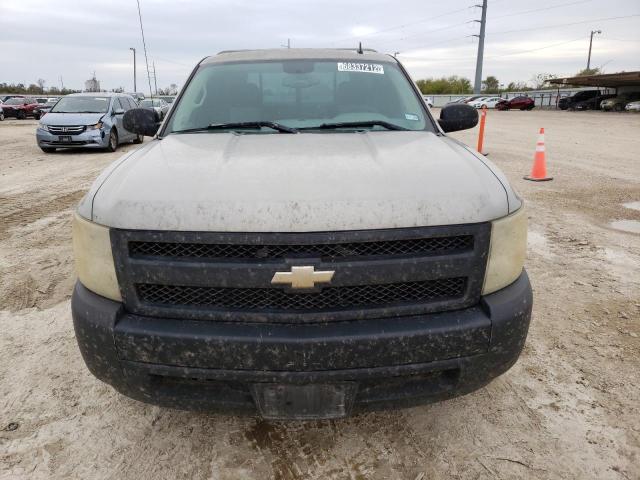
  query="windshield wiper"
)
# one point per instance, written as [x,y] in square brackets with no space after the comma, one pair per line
[241,126]
[363,124]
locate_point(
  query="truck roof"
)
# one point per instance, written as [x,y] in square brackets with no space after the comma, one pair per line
[299,54]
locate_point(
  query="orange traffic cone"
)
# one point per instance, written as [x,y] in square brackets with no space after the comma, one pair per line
[539,170]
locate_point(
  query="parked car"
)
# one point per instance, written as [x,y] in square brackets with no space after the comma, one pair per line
[633,107]
[516,103]
[567,102]
[167,98]
[138,96]
[87,120]
[471,99]
[488,102]
[618,103]
[4,98]
[21,107]
[157,104]
[296,240]
[46,107]
[591,104]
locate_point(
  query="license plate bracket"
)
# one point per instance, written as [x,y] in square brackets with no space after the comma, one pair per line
[320,401]
[64,138]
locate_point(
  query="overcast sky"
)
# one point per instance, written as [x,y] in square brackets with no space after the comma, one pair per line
[72,39]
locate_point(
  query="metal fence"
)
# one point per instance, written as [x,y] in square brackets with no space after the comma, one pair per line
[542,98]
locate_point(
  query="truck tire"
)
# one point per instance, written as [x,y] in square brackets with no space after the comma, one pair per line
[113,140]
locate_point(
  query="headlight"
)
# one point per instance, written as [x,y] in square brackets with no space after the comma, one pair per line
[507,251]
[93,258]
[43,126]
[97,126]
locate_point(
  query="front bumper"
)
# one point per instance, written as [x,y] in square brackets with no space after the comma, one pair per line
[388,362]
[86,139]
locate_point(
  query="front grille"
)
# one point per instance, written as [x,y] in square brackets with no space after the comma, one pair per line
[413,246]
[66,129]
[226,276]
[331,298]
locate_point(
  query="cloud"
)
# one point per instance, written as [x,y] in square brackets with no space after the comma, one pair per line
[73,38]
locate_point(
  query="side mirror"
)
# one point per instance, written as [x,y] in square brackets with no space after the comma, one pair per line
[141,121]
[458,116]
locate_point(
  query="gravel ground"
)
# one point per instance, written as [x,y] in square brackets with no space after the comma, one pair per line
[567,409]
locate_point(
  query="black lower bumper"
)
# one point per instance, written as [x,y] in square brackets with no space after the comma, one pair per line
[204,365]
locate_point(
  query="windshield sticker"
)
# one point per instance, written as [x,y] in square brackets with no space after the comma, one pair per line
[411,116]
[360,67]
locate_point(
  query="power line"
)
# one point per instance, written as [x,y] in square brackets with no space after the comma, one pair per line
[536,49]
[144,45]
[446,27]
[566,24]
[401,26]
[550,7]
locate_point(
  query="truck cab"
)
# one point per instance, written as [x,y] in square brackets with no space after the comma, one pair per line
[302,239]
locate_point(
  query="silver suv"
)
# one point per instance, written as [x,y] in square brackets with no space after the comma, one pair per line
[87,120]
[300,238]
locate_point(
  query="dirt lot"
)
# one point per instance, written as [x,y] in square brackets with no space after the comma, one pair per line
[568,409]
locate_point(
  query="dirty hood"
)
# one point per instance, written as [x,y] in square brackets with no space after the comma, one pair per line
[297,183]
[72,118]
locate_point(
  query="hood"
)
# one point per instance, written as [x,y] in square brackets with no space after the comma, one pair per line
[72,118]
[297,183]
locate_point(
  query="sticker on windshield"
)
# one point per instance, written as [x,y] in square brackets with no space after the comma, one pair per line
[411,116]
[361,67]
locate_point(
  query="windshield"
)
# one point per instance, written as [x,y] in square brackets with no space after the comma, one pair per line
[82,105]
[299,94]
[150,103]
[16,101]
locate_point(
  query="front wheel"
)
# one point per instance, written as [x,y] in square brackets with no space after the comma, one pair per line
[21,114]
[113,141]
[36,116]
[1,117]
[617,107]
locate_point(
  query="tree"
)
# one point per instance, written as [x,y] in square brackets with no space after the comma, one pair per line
[490,85]
[518,87]
[41,82]
[452,84]
[540,80]
[589,71]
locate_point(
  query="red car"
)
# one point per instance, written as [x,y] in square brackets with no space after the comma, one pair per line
[21,108]
[520,103]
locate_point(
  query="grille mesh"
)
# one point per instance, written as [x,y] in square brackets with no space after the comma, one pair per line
[331,298]
[418,246]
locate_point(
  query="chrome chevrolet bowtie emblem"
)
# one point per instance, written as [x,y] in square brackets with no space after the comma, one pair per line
[302,277]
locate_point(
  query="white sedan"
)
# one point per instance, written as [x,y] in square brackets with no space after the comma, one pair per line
[489,102]
[633,106]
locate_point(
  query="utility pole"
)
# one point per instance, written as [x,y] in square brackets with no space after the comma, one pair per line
[135,86]
[590,45]
[155,79]
[288,45]
[483,21]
